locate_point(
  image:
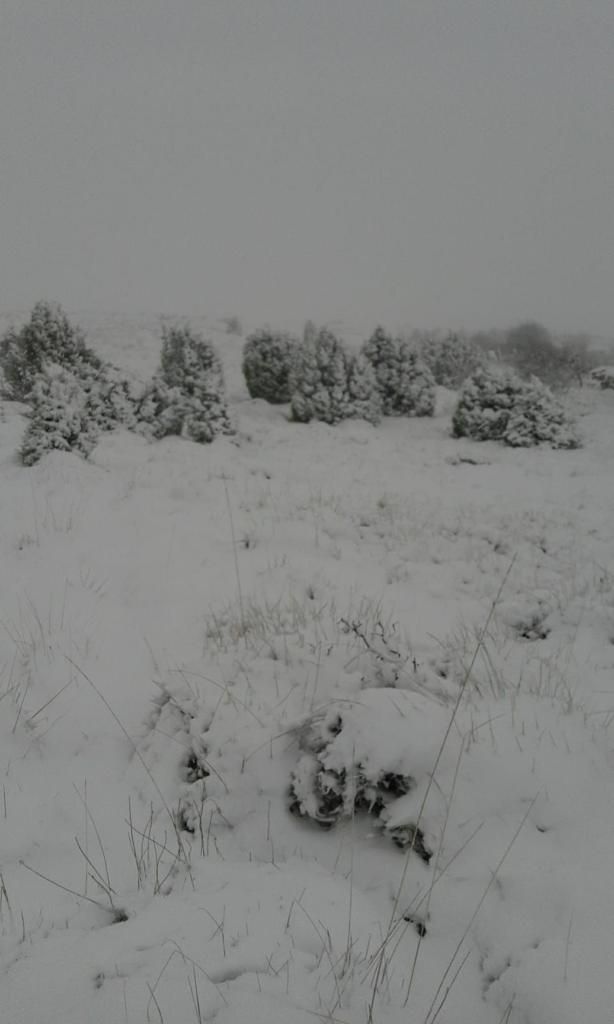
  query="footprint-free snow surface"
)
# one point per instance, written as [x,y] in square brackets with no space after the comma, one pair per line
[308,723]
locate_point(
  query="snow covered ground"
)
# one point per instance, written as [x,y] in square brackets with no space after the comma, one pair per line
[177,622]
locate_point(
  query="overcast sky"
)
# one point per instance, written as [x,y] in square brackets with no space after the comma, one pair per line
[423,162]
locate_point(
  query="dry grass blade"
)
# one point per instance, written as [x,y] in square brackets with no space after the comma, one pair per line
[58,885]
[442,746]
[50,701]
[234,552]
[487,889]
[90,818]
[137,753]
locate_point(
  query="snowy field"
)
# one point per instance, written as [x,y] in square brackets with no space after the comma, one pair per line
[177,623]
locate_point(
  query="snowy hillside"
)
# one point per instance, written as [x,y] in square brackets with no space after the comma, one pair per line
[406,635]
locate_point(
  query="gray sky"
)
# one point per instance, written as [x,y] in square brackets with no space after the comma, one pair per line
[423,162]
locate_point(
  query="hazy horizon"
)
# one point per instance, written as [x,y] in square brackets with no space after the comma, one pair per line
[428,163]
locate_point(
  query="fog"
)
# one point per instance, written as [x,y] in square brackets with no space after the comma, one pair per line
[416,162]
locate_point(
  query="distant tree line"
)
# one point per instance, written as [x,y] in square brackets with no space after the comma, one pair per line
[531,350]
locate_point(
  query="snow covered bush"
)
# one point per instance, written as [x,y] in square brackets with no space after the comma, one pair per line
[267,359]
[485,404]
[60,418]
[416,387]
[158,410]
[329,384]
[70,409]
[450,358]
[72,406]
[365,401]
[163,411]
[537,417]
[179,716]
[111,397]
[602,377]
[187,396]
[405,384]
[361,758]
[496,405]
[381,350]
[48,338]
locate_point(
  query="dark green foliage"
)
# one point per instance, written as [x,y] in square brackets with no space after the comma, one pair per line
[450,358]
[365,401]
[537,417]
[48,338]
[531,351]
[70,409]
[496,405]
[416,387]
[381,350]
[187,395]
[267,362]
[61,418]
[329,384]
[405,384]
[485,404]
[189,362]
[319,380]
[160,411]
[111,397]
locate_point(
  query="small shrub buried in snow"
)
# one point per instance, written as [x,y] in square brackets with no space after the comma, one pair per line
[48,338]
[328,384]
[180,717]
[405,384]
[603,377]
[187,395]
[355,759]
[528,620]
[267,361]
[496,405]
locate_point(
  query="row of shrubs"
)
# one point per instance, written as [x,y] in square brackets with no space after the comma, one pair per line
[74,396]
[323,380]
[405,370]
[391,377]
